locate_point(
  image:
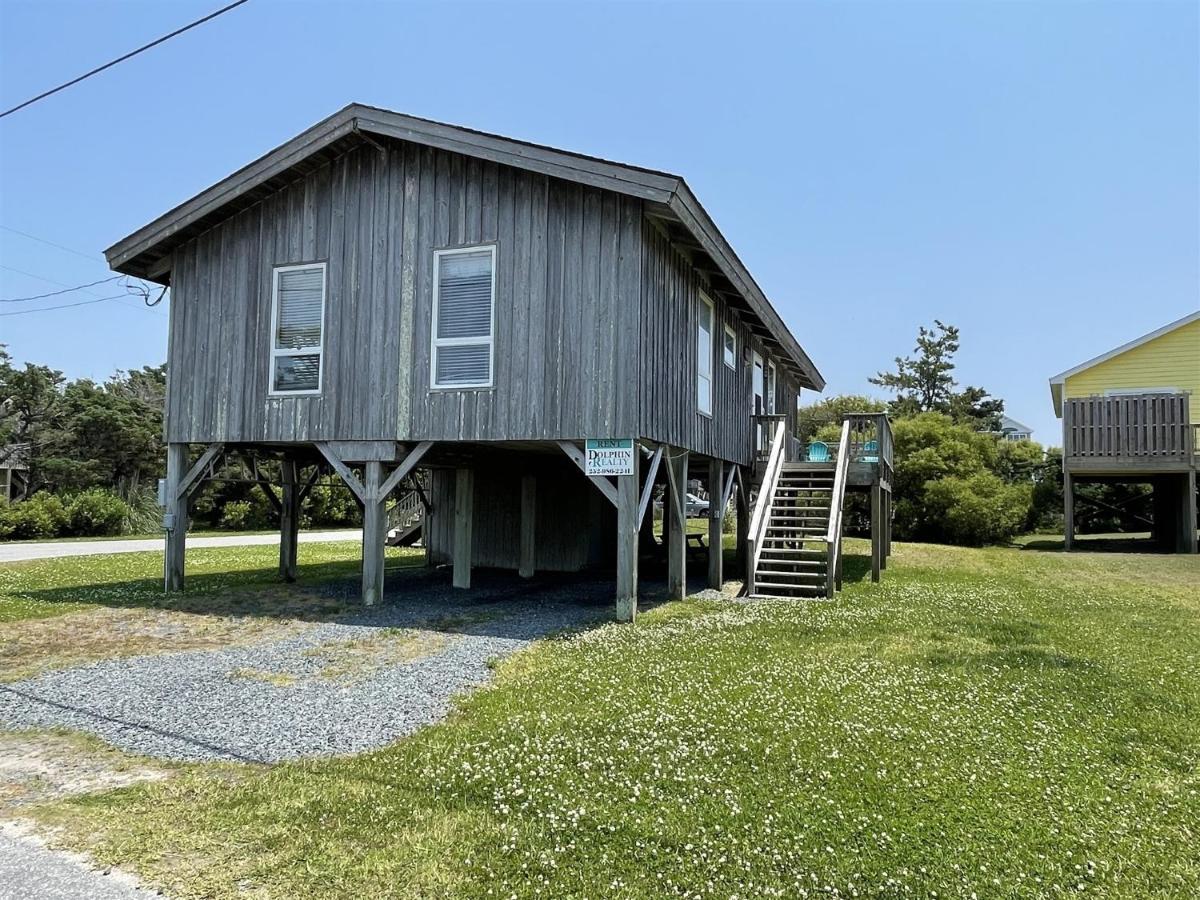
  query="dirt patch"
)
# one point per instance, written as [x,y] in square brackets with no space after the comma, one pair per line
[39,766]
[31,647]
[348,660]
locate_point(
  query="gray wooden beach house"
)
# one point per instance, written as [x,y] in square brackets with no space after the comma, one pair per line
[387,297]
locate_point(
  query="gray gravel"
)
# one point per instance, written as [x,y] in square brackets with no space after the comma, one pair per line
[202,705]
[29,869]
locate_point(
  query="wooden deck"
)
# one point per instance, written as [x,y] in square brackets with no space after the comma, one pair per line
[1136,437]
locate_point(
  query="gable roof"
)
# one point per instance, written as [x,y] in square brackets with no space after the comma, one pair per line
[1057,382]
[146,252]
[1008,423]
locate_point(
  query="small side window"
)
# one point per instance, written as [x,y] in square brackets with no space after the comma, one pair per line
[730,354]
[704,355]
[297,329]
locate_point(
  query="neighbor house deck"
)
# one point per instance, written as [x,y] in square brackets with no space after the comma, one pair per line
[1136,437]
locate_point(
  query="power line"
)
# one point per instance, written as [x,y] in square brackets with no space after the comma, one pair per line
[56,293]
[120,59]
[25,312]
[33,237]
[63,284]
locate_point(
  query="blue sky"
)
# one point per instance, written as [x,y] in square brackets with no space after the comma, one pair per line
[1027,171]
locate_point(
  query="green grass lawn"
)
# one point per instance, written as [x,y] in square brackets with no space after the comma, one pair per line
[49,587]
[991,723]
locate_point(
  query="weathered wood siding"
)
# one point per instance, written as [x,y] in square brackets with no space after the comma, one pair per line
[668,406]
[568,268]
[576,526]
[595,313]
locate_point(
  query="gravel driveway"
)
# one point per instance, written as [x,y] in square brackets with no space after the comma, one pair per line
[334,687]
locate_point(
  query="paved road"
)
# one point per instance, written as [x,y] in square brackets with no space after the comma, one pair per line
[29,869]
[53,549]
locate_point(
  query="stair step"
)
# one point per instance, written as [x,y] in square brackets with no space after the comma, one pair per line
[775,575]
[769,552]
[772,564]
[786,587]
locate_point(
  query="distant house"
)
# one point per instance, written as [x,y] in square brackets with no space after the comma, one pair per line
[14,472]
[1128,415]
[1012,430]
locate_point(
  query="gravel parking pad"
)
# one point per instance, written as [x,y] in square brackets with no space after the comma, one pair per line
[337,687]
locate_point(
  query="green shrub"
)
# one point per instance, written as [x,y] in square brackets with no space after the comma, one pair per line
[237,515]
[41,516]
[977,510]
[97,512]
[144,515]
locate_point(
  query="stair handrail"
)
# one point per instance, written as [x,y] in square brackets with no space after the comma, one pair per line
[833,542]
[766,496]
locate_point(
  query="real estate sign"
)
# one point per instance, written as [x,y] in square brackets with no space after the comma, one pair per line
[609,456]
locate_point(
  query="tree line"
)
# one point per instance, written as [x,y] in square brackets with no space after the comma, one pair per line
[95,452]
[957,480]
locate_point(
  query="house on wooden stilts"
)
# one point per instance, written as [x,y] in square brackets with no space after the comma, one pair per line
[1131,415]
[446,317]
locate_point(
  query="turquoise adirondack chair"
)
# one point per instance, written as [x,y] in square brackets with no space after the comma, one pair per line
[818,451]
[870,452]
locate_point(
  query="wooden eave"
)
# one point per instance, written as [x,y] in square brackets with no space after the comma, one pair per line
[146,253]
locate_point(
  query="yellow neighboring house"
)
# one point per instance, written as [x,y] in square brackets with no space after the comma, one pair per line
[1129,415]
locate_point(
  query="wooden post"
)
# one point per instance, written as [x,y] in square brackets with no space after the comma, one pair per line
[743,527]
[627,542]
[888,518]
[675,510]
[176,516]
[876,530]
[289,520]
[464,513]
[1068,511]
[1189,513]
[374,534]
[528,525]
[716,519]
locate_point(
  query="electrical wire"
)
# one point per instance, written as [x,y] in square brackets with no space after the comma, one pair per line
[120,59]
[33,237]
[25,312]
[52,281]
[56,293]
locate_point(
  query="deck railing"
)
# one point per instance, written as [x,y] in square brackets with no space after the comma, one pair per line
[1134,426]
[871,441]
[764,431]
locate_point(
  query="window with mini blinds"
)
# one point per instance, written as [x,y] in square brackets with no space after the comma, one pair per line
[704,356]
[464,301]
[297,329]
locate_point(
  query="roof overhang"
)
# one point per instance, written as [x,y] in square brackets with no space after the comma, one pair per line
[1058,381]
[147,252]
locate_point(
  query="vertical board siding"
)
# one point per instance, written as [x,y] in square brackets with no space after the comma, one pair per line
[575,527]
[568,278]
[668,403]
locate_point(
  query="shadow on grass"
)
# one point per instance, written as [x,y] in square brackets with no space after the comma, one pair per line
[1097,544]
[330,591]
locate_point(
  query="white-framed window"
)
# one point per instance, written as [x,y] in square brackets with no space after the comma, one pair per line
[297,329]
[464,318]
[729,353]
[771,386]
[704,355]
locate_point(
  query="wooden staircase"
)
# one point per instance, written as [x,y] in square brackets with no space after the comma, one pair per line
[795,534]
[406,520]
[794,560]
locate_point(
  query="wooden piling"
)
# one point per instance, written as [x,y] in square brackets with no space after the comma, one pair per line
[464,512]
